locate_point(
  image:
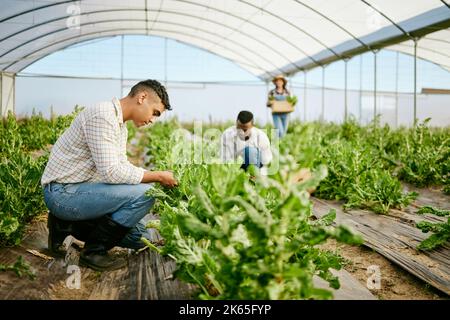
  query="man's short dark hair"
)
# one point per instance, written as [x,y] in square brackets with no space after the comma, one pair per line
[156,87]
[245,117]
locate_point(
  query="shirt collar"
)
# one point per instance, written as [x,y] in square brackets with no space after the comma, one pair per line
[252,133]
[118,109]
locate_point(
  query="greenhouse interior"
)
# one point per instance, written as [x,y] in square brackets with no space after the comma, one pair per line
[225,150]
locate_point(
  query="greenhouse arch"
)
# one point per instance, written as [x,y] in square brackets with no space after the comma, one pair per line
[264,38]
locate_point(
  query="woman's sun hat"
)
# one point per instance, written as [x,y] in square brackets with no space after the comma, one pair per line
[280,76]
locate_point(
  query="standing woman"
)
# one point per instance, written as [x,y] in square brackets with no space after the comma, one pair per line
[279,93]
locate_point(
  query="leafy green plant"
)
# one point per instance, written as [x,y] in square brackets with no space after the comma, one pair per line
[132,130]
[20,268]
[219,222]
[433,210]
[35,132]
[21,195]
[227,227]
[440,236]
[153,224]
[425,155]
[367,164]
[446,188]
[359,172]
[292,100]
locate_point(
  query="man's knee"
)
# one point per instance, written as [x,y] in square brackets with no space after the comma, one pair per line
[138,199]
[139,192]
[252,155]
[138,205]
[141,199]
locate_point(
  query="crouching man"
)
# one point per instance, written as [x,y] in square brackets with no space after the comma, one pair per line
[91,189]
[246,141]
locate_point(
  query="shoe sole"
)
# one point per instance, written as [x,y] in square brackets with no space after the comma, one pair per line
[85,264]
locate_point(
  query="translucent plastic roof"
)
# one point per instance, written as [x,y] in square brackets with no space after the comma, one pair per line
[434,47]
[265,37]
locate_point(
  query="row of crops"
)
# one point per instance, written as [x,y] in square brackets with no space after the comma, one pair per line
[222,220]
[24,146]
[367,164]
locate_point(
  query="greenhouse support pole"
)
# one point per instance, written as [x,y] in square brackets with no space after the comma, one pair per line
[322,114]
[396,87]
[375,85]
[165,62]
[7,93]
[304,95]
[291,93]
[121,63]
[267,109]
[360,86]
[415,80]
[345,92]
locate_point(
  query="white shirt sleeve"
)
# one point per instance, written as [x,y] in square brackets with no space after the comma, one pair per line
[264,147]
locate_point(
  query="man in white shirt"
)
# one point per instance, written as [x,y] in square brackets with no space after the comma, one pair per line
[91,189]
[247,142]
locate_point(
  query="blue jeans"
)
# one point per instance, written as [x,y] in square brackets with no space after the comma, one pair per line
[280,122]
[126,204]
[252,156]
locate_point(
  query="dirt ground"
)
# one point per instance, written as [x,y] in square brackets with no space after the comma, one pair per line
[396,284]
[51,274]
[60,290]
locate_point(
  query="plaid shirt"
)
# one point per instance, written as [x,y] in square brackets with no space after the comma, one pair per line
[93,149]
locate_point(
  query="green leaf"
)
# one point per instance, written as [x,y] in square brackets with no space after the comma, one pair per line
[432,210]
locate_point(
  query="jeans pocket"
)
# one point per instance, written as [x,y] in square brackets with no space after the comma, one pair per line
[60,204]
[71,188]
[64,211]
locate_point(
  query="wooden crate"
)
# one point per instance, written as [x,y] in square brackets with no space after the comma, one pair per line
[281,107]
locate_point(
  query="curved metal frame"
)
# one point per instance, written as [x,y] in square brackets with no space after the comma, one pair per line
[114,35]
[192,3]
[387,18]
[35,9]
[333,22]
[254,24]
[437,40]
[447,67]
[118,33]
[146,16]
[311,58]
[145,20]
[422,48]
[440,22]
[294,26]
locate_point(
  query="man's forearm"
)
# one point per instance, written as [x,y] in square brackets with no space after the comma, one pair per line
[151,176]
